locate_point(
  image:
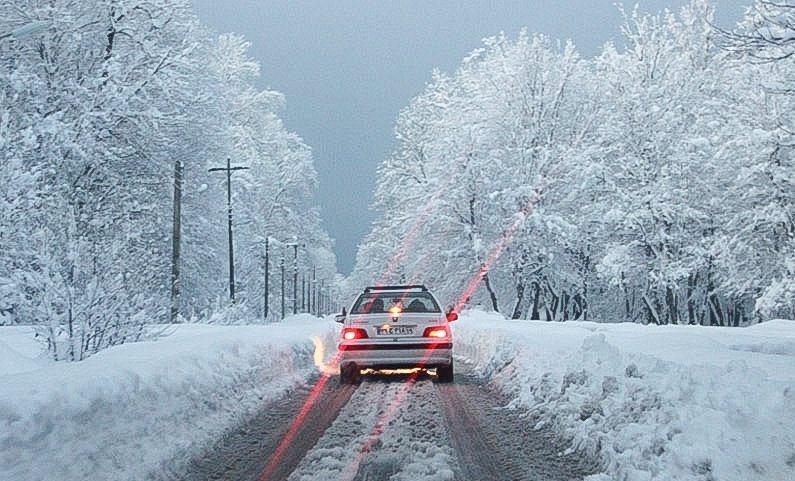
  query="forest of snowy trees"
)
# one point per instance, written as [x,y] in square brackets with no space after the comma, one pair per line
[653,183]
[99,114]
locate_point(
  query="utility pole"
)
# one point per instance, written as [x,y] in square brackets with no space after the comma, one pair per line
[176,241]
[282,265]
[321,306]
[295,278]
[303,291]
[228,169]
[312,299]
[267,278]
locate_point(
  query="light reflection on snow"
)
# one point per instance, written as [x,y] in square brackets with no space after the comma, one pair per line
[319,356]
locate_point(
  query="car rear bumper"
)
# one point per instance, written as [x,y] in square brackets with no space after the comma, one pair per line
[390,355]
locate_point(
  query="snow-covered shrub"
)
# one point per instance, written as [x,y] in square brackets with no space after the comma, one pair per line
[778,300]
[235,314]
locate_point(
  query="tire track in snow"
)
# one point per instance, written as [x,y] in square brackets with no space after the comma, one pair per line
[437,432]
[242,453]
[373,439]
[495,443]
[414,445]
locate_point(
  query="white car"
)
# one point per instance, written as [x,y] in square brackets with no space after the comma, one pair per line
[392,327]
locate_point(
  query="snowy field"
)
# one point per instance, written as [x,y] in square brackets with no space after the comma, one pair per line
[140,407]
[654,402]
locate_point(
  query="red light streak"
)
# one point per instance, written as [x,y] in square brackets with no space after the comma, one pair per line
[383,421]
[471,286]
[408,240]
[288,438]
[473,283]
[495,254]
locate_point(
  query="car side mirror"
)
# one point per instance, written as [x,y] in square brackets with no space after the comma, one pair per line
[451,314]
[341,317]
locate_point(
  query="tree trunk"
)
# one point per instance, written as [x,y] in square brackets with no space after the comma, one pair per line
[70,332]
[583,303]
[672,304]
[653,316]
[717,310]
[492,295]
[536,298]
[692,280]
[579,310]
[517,308]
[552,310]
[627,305]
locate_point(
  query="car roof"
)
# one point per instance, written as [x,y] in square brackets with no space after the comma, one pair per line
[414,287]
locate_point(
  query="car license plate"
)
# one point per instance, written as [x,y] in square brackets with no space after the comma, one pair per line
[395,330]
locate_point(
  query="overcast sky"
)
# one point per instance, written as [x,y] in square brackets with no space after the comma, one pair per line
[347,67]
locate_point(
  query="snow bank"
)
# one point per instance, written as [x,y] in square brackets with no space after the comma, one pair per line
[136,408]
[19,350]
[654,402]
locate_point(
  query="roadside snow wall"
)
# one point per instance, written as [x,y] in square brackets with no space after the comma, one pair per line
[138,408]
[653,402]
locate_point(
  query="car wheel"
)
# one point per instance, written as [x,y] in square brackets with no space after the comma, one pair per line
[349,374]
[445,373]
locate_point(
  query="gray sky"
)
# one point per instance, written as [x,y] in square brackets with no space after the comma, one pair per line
[347,67]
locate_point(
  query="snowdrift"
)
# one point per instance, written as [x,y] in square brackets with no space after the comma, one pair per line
[653,402]
[141,407]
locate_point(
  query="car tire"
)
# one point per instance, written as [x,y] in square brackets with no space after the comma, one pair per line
[445,373]
[349,374]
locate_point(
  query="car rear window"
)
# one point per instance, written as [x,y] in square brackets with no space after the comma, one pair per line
[380,302]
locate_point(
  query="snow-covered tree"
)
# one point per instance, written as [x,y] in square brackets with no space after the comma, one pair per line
[761,256]
[99,114]
[652,183]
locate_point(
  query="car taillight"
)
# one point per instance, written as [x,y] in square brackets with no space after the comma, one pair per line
[351,333]
[439,332]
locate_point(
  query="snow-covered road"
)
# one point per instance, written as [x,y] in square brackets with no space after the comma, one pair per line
[248,452]
[389,428]
[393,427]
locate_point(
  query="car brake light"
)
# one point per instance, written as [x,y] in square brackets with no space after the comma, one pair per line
[438,332]
[351,333]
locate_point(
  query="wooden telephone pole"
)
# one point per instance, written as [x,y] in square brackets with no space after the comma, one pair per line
[282,268]
[267,277]
[228,169]
[176,241]
[295,278]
